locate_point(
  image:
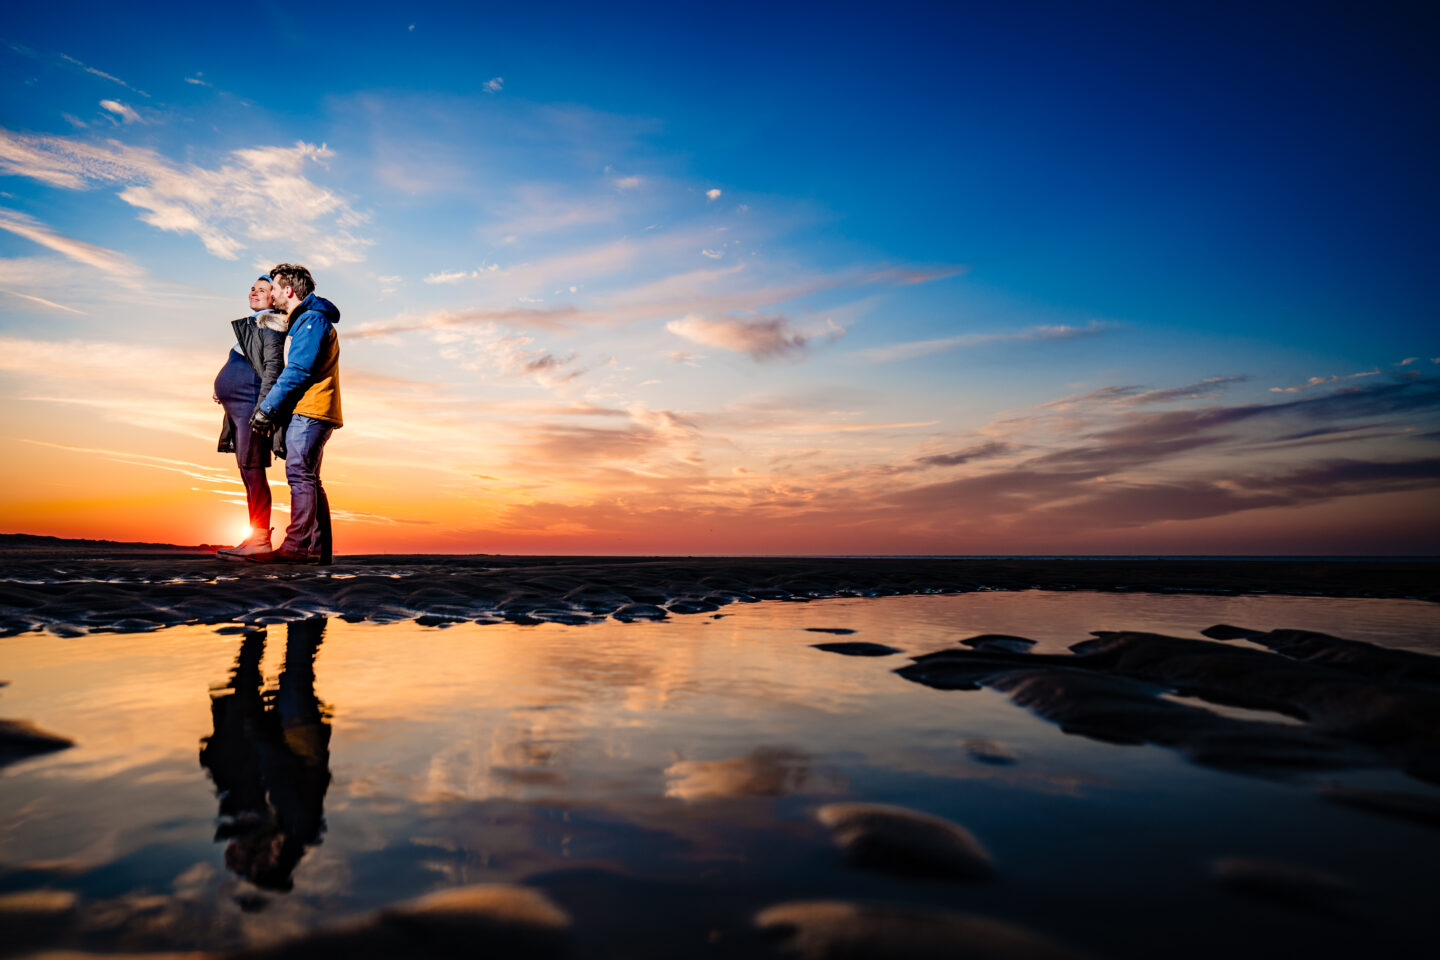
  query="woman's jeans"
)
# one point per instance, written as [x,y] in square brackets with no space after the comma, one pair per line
[257,490]
[309,531]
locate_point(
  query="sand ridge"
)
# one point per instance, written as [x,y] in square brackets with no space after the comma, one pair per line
[77,591]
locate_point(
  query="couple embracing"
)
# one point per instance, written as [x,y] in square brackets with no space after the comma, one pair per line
[280,387]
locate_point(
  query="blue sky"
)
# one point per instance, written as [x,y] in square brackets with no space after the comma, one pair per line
[918,222]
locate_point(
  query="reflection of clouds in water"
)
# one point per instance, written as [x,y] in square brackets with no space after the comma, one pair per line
[767,772]
[1038,772]
[455,771]
[510,760]
[195,911]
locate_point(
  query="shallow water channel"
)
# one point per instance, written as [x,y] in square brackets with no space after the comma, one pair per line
[659,780]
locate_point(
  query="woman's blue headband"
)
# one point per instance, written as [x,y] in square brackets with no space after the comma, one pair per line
[265,277]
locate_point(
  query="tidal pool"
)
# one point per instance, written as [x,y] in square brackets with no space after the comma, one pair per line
[659,781]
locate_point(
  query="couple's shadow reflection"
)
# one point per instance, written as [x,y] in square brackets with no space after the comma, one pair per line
[270,759]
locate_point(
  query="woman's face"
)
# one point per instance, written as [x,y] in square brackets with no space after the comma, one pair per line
[260,295]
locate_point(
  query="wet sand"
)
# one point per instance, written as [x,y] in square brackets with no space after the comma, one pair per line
[87,589]
[916,776]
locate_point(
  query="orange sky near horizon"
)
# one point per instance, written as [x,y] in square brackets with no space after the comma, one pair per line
[181,491]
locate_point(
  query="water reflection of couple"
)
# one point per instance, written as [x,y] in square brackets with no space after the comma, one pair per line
[280,388]
[270,759]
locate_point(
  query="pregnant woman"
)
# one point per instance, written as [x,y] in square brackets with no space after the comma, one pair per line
[254,362]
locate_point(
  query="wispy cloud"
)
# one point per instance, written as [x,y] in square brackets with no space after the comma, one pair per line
[698,293]
[100,364]
[763,338]
[43,301]
[1116,467]
[43,275]
[1322,381]
[494,349]
[263,195]
[547,318]
[100,73]
[979,451]
[111,262]
[221,476]
[1206,389]
[125,112]
[57,161]
[1135,396]
[493,85]
[923,348]
[1025,499]
[195,471]
[537,211]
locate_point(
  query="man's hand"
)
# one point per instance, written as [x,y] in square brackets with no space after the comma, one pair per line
[260,423]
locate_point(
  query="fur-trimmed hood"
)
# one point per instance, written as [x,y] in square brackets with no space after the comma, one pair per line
[273,320]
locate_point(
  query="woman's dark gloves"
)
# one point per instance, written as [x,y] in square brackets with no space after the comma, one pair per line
[260,423]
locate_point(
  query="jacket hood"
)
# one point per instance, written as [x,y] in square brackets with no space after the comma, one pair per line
[272,320]
[319,305]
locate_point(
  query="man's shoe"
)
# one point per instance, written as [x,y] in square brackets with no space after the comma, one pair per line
[257,542]
[282,556]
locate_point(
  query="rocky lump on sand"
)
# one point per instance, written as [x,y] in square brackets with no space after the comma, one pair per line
[1359,705]
[894,839]
[842,930]
[21,738]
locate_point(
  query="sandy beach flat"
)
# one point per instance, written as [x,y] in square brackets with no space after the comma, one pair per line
[78,587]
[984,756]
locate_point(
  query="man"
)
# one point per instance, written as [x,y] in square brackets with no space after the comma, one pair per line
[308,389]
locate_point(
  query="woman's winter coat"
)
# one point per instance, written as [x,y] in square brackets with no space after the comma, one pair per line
[262,340]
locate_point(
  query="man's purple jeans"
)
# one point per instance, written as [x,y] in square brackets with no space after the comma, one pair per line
[309,531]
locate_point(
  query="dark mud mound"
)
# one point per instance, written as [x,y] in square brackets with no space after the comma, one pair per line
[857,648]
[841,930]
[1361,705]
[1349,655]
[891,839]
[21,738]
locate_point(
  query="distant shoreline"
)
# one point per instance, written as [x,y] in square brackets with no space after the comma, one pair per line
[32,541]
[38,542]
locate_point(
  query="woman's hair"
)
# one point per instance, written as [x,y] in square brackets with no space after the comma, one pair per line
[295,277]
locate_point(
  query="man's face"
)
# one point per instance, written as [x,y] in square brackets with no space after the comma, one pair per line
[280,294]
[260,295]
